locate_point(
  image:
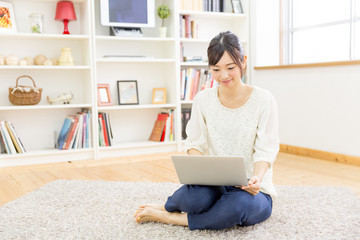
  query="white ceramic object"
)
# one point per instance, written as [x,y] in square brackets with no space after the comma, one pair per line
[12,60]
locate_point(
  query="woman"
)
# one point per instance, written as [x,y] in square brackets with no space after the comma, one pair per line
[233,119]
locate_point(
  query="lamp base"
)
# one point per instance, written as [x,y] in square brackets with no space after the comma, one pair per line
[66,29]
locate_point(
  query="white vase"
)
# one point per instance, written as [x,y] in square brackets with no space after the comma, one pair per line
[162,31]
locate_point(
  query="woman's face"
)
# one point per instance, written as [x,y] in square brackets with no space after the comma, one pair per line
[226,72]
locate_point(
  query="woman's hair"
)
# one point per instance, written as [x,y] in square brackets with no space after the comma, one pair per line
[229,42]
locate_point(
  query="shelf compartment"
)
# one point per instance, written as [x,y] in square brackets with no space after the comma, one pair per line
[146,47]
[42,157]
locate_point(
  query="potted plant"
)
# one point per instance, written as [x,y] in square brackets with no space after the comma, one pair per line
[163,12]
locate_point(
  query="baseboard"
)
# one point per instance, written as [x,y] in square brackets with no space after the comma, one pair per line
[336,157]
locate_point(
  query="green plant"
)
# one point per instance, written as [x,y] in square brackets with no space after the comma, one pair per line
[163,12]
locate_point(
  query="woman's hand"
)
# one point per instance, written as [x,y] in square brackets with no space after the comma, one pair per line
[253,186]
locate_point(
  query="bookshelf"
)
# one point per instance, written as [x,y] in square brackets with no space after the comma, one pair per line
[158,67]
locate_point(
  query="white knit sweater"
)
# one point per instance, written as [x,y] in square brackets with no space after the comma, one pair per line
[250,131]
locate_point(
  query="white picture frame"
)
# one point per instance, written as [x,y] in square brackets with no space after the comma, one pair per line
[7,18]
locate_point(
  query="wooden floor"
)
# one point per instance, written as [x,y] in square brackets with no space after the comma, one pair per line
[288,170]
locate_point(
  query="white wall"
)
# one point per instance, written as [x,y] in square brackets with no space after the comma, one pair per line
[319,108]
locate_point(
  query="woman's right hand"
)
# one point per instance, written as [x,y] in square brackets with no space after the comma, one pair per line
[193,151]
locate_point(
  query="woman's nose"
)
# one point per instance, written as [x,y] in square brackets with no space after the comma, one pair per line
[224,75]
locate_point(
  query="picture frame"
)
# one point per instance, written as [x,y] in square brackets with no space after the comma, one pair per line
[7,19]
[237,7]
[104,95]
[159,96]
[127,92]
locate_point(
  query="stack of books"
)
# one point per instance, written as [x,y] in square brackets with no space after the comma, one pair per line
[75,132]
[163,130]
[105,133]
[188,28]
[10,143]
[203,5]
[193,81]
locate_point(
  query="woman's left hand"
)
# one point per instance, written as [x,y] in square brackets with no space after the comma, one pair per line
[253,186]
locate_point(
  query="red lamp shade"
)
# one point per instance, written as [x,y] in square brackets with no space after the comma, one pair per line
[65,11]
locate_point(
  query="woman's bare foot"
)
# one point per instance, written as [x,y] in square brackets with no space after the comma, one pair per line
[158,206]
[150,214]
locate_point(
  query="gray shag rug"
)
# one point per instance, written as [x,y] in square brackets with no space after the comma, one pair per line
[74,209]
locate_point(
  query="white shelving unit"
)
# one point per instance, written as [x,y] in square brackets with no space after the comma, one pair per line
[36,125]
[210,24]
[159,67]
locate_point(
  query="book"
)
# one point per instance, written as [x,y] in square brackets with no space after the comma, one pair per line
[2,146]
[88,129]
[9,142]
[167,128]
[73,135]
[79,133]
[3,141]
[69,137]
[101,134]
[64,129]
[163,117]
[108,128]
[104,132]
[17,137]
[172,125]
[13,138]
[196,84]
[157,131]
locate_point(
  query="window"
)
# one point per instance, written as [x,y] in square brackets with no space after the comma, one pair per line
[321,31]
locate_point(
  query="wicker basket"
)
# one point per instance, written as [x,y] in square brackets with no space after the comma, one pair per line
[25,95]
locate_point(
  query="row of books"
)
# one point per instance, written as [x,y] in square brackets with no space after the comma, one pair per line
[188,28]
[163,130]
[10,142]
[75,132]
[203,5]
[194,80]
[105,132]
[185,117]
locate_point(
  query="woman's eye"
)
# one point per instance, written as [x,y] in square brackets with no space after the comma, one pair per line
[231,68]
[215,70]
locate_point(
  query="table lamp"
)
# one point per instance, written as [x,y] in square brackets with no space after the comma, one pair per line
[65,12]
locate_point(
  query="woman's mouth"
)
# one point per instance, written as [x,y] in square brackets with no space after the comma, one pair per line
[226,82]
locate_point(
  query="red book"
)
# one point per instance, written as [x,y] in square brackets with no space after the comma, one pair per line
[71,133]
[212,81]
[196,84]
[163,117]
[104,127]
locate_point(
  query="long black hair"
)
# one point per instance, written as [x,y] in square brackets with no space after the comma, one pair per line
[229,42]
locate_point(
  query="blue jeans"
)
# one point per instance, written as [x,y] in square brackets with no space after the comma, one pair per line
[218,207]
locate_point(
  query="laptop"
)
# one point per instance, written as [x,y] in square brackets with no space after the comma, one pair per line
[210,170]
